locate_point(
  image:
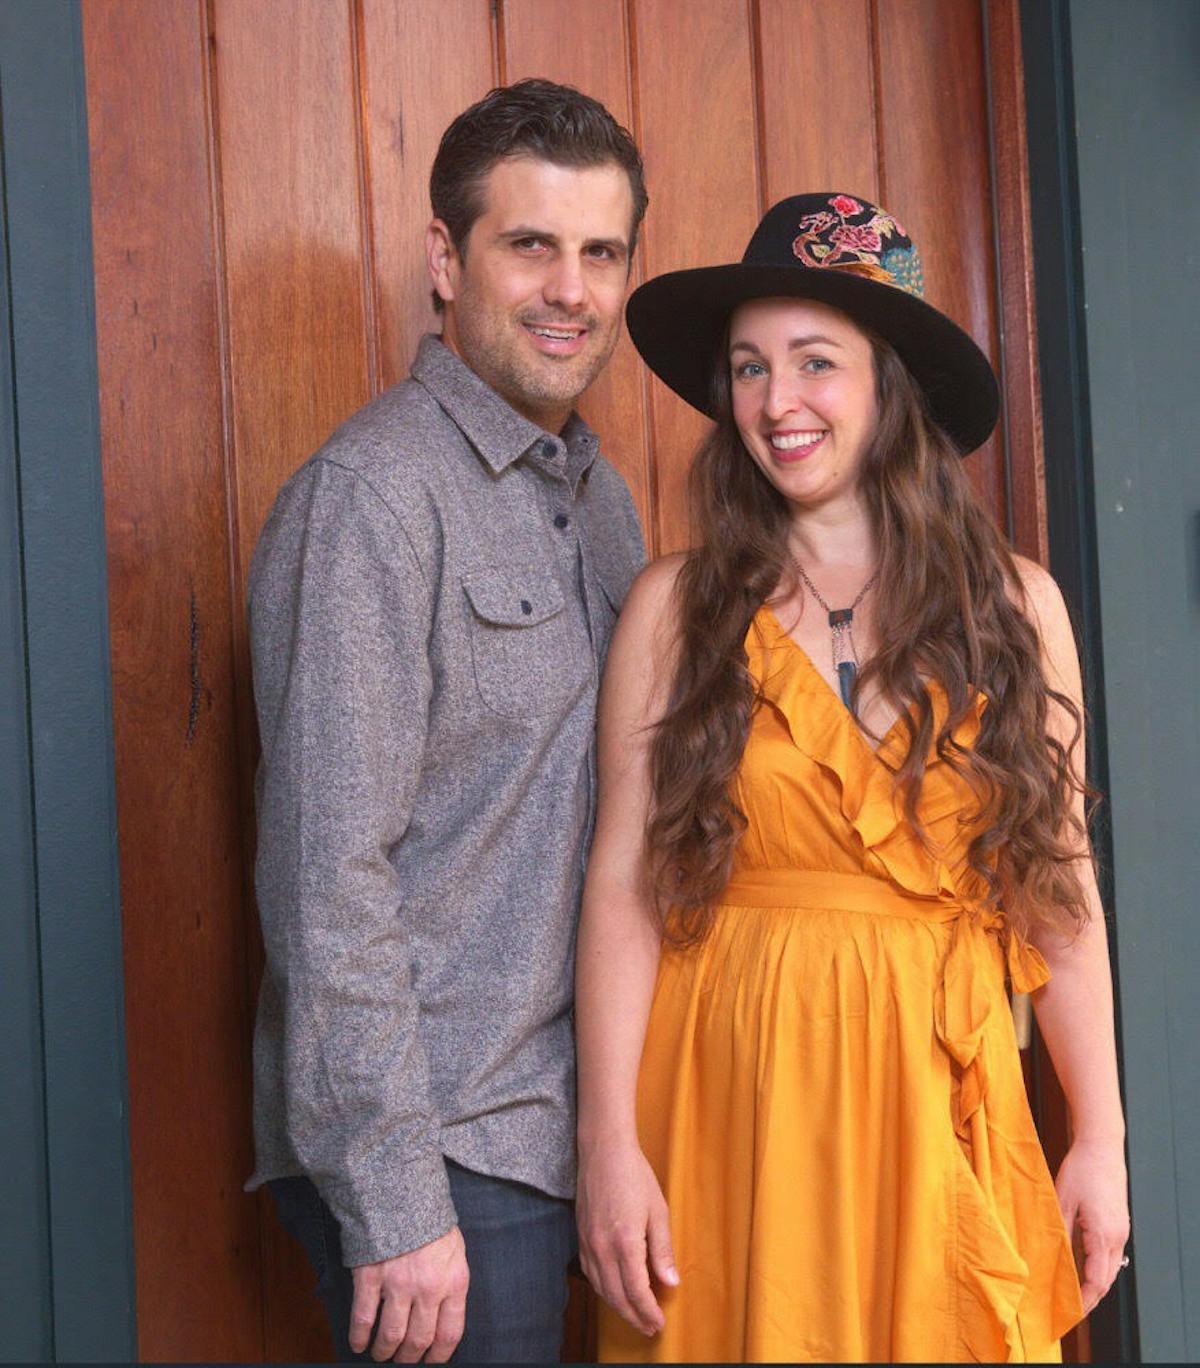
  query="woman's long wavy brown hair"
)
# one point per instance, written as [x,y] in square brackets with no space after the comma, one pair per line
[950,607]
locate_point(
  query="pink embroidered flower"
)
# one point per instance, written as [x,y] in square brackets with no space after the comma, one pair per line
[852,239]
[845,205]
[816,223]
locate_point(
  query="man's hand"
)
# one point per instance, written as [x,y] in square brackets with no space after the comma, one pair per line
[424,1296]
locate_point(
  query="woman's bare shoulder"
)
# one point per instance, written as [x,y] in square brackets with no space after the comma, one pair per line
[1044,606]
[643,645]
[1042,598]
[654,588]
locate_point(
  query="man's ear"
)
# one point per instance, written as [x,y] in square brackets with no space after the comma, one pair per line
[443,259]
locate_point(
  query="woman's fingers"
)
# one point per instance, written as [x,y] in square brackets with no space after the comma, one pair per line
[658,1240]
[611,1266]
[1102,1254]
[635,1279]
[606,1279]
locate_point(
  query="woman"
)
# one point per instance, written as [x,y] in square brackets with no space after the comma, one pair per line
[841,801]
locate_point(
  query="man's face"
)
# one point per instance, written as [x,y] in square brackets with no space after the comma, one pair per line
[534,304]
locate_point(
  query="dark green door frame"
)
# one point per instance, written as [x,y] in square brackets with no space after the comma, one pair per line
[1114,128]
[67,1267]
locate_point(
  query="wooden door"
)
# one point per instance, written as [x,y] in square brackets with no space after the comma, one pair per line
[259,175]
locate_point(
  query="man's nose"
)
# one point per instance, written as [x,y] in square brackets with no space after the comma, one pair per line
[565,284]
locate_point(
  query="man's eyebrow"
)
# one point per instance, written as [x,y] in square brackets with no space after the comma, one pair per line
[525,230]
[795,344]
[618,245]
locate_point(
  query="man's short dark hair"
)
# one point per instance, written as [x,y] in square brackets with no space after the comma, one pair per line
[534,118]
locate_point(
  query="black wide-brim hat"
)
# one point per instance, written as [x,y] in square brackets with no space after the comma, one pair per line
[840,250]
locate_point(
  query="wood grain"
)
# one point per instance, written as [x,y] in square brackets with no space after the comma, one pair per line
[1018,310]
[293,238]
[695,95]
[187,1007]
[409,94]
[817,97]
[298,350]
[546,38]
[935,170]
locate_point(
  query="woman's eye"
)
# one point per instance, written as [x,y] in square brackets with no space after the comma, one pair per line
[817,365]
[749,370]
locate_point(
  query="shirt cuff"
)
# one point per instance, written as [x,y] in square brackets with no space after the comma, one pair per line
[394,1211]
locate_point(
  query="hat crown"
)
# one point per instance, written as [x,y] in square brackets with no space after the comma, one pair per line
[835,231]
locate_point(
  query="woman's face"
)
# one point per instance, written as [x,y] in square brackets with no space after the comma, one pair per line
[803,384]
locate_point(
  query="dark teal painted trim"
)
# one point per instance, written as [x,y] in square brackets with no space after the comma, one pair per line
[26,1331]
[1136,92]
[68,679]
[1070,495]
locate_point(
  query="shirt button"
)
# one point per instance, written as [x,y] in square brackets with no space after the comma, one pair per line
[562,521]
[526,607]
[546,448]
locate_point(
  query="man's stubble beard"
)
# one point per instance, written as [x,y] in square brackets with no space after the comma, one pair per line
[491,345]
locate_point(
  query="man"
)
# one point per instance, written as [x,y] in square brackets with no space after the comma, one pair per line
[430,605]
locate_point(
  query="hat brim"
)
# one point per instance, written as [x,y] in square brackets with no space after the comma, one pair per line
[677,322]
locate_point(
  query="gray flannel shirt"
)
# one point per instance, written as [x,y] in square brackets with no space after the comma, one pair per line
[431,600]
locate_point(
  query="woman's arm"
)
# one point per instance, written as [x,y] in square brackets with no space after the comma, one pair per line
[1075,1009]
[623,1232]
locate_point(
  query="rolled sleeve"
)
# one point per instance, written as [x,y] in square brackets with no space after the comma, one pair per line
[340,619]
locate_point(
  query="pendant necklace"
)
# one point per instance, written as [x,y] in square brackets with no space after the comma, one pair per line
[845,657]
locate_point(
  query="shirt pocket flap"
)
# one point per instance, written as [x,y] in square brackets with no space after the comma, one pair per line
[506,599]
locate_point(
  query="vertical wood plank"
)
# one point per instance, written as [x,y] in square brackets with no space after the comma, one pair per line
[298,356]
[1023,402]
[293,237]
[696,102]
[935,170]
[410,92]
[588,48]
[187,1009]
[817,97]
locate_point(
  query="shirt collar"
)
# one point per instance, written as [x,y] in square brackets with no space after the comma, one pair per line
[493,427]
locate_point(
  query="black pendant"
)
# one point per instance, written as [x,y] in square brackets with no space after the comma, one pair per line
[843,651]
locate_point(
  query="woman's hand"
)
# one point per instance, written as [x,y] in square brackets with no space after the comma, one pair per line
[1093,1194]
[624,1234]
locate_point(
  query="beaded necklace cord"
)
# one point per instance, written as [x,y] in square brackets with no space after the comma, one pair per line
[845,657]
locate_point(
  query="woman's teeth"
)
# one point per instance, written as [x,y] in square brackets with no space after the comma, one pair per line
[792,441]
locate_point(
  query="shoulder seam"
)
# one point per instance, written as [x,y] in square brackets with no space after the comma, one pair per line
[361,479]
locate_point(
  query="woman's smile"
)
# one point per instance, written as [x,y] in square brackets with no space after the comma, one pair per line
[789,445]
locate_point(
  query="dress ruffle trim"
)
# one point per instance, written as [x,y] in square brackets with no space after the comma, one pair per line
[822,728]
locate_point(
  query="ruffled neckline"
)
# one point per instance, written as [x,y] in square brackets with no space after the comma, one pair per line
[823,728]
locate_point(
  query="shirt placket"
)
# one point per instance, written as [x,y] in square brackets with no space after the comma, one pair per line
[561,499]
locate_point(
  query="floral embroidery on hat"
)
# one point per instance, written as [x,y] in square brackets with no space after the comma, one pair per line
[832,241]
[854,238]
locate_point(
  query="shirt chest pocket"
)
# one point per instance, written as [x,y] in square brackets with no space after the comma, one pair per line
[525,659]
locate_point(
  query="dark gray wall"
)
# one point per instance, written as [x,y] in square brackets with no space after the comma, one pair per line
[66,1257]
[25,1331]
[1136,77]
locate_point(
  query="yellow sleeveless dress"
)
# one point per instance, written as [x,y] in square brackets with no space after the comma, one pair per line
[831,1092]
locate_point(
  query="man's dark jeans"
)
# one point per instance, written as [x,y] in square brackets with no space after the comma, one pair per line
[519,1242]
